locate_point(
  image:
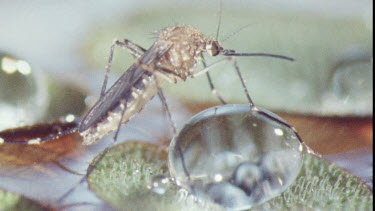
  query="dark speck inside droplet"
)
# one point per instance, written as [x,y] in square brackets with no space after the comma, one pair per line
[247,176]
[228,195]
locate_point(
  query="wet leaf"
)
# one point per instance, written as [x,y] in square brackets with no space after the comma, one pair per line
[15,151]
[10,201]
[121,180]
[30,167]
[122,177]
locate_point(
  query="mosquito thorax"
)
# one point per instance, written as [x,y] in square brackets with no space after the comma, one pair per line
[186,44]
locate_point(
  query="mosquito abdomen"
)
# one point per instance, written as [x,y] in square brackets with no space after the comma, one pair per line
[110,122]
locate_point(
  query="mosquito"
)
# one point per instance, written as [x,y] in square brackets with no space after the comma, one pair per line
[173,57]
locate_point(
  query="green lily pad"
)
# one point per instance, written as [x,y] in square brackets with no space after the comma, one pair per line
[122,177]
[324,186]
[328,52]
[121,180]
[10,201]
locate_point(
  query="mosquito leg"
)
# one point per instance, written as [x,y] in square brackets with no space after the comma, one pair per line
[212,87]
[232,59]
[108,68]
[162,72]
[166,109]
[100,158]
[165,106]
[114,140]
[134,49]
[252,106]
[210,67]
[305,147]
[60,165]
[251,103]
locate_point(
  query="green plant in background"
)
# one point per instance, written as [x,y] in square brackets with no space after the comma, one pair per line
[314,84]
[13,202]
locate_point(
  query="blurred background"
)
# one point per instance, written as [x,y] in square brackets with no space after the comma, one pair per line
[326,94]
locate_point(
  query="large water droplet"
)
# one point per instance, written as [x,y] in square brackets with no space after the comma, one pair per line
[23,93]
[236,156]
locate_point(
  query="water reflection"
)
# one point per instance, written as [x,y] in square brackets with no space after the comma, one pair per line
[23,93]
[236,156]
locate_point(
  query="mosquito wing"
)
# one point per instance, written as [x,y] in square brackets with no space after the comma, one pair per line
[121,89]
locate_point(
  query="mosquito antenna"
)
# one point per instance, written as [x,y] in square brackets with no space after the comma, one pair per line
[233,53]
[219,21]
[235,32]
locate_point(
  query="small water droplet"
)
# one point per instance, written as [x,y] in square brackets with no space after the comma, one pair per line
[352,74]
[23,93]
[312,152]
[351,79]
[70,118]
[218,177]
[159,184]
[279,132]
[301,148]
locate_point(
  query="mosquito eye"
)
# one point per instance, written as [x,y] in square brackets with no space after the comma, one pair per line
[213,48]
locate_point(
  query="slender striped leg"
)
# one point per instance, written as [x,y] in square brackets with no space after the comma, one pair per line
[134,49]
[212,87]
[100,158]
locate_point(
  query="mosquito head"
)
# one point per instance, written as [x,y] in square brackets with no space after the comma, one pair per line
[213,47]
